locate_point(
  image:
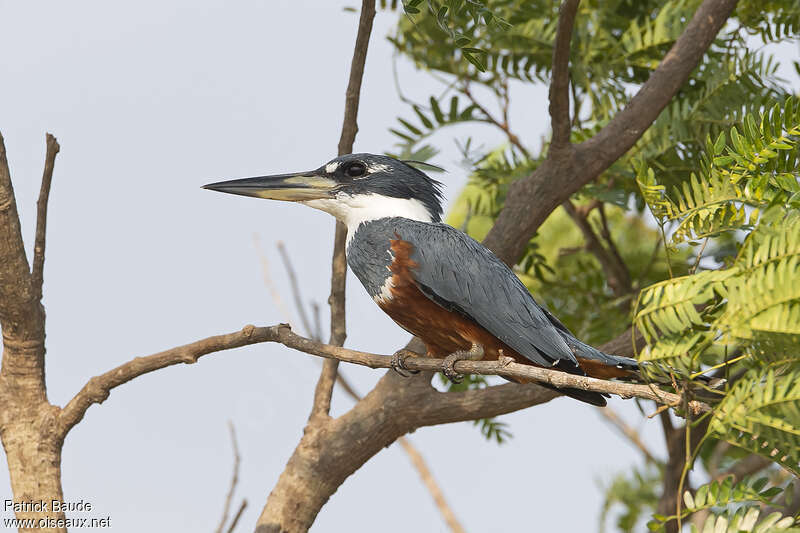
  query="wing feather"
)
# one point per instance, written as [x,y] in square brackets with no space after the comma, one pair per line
[460,274]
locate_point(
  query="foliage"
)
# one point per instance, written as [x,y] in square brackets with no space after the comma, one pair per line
[753,305]
[635,493]
[735,505]
[715,282]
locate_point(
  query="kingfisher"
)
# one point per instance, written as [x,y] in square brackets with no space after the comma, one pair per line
[434,281]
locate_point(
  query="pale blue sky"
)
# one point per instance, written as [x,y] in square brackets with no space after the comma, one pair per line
[150,100]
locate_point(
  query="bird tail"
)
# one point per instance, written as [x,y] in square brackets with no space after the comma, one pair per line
[606,366]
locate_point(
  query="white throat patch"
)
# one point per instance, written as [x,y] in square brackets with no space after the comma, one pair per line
[353,210]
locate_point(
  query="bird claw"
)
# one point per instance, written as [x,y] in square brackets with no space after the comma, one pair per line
[398,363]
[475,353]
[448,366]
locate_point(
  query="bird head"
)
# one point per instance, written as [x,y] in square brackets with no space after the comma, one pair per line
[354,188]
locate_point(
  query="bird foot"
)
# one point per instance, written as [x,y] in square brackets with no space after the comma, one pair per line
[398,363]
[448,367]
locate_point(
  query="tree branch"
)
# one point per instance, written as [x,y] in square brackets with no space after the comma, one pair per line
[296,294]
[677,444]
[628,125]
[353,94]
[430,482]
[99,387]
[237,516]
[41,215]
[327,378]
[324,389]
[502,125]
[234,480]
[632,435]
[565,171]
[15,286]
[421,466]
[616,271]
[414,455]
[559,86]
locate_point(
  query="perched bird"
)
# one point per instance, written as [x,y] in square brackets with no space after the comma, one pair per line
[433,280]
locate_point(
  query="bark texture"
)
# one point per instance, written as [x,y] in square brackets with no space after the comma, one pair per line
[28,422]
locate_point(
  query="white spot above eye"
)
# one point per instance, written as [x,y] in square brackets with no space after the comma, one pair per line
[377,167]
[386,291]
[330,168]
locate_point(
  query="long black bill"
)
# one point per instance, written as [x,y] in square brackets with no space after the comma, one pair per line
[288,187]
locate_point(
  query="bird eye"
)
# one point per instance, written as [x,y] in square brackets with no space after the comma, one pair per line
[355,169]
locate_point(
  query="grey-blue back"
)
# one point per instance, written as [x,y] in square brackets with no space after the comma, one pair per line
[461,275]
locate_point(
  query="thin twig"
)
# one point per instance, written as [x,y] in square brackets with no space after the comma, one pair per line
[327,379]
[236,517]
[37,274]
[427,478]
[265,275]
[353,94]
[559,87]
[744,467]
[298,297]
[316,313]
[615,269]
[629,432]
[234,479]
[323,392]
[699,256]
[605,232]
[99,387]
[502,125]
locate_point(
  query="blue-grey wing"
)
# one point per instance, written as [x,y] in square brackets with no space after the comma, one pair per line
[462,275]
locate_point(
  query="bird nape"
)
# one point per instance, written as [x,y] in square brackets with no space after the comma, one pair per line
[433,280]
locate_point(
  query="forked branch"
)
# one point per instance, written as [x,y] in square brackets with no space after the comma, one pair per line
[565,171]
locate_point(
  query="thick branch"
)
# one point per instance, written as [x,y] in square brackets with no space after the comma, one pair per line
[15,286]
[565,171]
[41,215]
[26,418]
[559,86]
[627,126]
[414,455]
[421,467]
